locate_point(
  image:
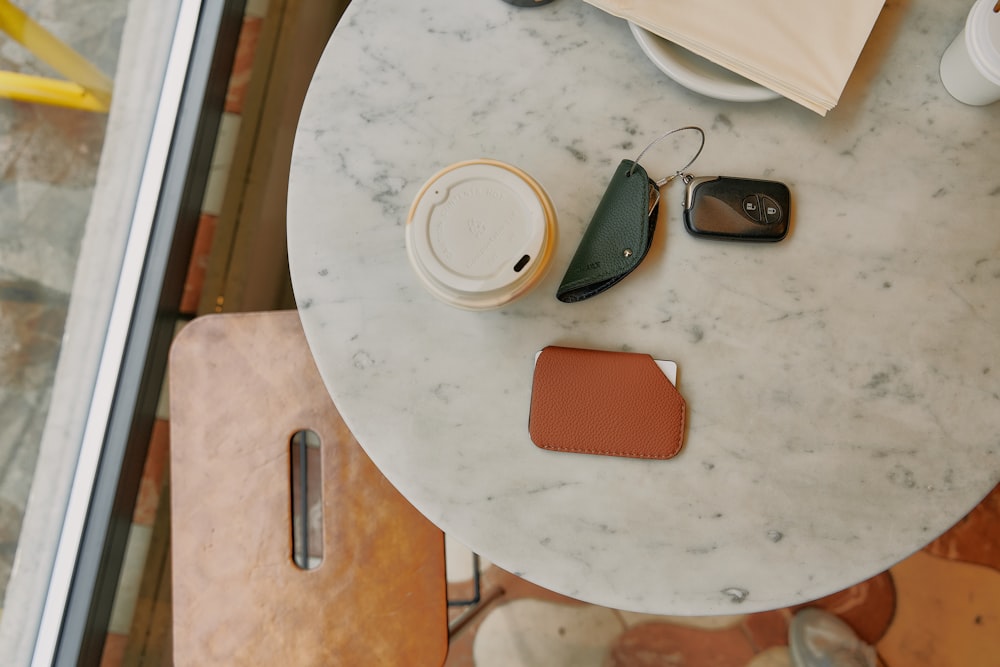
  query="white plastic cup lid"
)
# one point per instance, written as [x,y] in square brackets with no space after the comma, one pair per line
[480,234]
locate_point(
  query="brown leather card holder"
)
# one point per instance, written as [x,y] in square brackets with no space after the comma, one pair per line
[610,403]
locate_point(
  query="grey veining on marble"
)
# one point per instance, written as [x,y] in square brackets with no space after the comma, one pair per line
[843,385]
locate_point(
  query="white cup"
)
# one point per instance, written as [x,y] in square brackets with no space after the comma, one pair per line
[480,234]
[970,66]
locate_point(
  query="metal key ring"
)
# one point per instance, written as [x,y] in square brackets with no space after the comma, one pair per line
[663,181]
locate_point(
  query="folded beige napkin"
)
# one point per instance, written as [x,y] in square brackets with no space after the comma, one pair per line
[802,49]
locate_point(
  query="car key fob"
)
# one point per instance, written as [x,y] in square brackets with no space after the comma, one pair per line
[738,209]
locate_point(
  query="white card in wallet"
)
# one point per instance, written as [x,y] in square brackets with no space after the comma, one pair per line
[669,368]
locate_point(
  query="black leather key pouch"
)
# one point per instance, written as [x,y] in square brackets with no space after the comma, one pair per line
[618,236]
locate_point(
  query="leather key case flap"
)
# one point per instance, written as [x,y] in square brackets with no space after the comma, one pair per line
[610,403]
[617,238]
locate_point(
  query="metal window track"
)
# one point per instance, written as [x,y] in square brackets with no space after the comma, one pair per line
[102,497]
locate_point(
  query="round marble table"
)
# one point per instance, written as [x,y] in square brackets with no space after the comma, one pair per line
[843,385]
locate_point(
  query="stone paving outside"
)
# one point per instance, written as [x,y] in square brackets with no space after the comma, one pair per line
[48,166]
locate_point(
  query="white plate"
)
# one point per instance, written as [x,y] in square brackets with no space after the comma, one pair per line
[697,73]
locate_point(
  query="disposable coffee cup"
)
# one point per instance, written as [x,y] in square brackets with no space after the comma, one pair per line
[970,66]
[480,234]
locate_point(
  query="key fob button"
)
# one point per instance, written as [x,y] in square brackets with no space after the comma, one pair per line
[771,210]
[752,208]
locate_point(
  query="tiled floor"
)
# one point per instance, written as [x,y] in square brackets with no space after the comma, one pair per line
[48,164]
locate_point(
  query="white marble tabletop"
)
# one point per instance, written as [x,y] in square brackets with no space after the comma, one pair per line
[843,385]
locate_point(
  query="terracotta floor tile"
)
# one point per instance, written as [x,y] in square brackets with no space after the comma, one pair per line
[114,650]
[768,629]
[663,645]
[151,482]
[867,607]
[976,538]
[460,650]
[198,265]
[947,615]
[246,49]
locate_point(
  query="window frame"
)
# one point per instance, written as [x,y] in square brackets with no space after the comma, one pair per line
[94,532]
